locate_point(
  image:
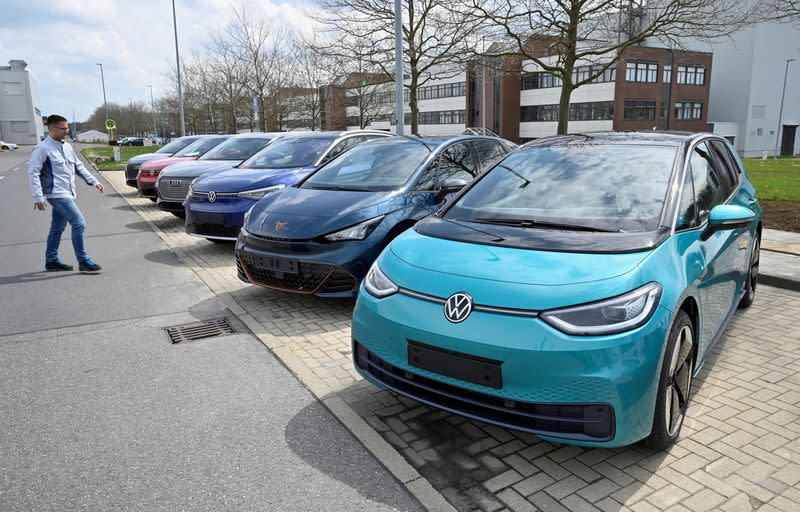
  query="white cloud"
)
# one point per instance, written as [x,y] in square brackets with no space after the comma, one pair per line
[62,40]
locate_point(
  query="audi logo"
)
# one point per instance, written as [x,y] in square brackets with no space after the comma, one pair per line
[212,196]
[175,183]
[458,307]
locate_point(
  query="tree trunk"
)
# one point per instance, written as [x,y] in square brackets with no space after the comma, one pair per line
[412,100]
[563,109]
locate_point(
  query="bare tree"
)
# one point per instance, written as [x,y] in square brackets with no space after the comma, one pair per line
[559,35]
[435,37]
[781,10]
[226,61]
[313,71]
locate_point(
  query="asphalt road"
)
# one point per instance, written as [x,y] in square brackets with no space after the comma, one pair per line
[99,411]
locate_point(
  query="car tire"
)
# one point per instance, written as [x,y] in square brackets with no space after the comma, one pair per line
[180,215]
[5,148]
[752,275]
[674,384]
[154,199]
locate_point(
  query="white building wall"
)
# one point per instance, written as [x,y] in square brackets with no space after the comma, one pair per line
[547,128]
[747,78]
[552,95]
[20,111]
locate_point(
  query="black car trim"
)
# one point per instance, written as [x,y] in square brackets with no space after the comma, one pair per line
[499,310]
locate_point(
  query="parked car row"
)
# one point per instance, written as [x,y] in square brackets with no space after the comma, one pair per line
[571,287]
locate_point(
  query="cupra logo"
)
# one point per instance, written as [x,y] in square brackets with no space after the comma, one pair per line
[279,225]
[458,307]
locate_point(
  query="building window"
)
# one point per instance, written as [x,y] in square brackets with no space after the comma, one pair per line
[640,110]
[641,72]
[667,74]
[543,79]
[688,110]
[691,75]
[443,117]
[432,92]
[589,111]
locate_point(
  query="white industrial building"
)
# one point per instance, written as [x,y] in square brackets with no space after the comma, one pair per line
[92,136]
[20,110]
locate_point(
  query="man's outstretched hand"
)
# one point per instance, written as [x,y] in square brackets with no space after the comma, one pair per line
[39,206]
[100,187]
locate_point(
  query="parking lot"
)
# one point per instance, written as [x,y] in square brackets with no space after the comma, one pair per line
[739,449]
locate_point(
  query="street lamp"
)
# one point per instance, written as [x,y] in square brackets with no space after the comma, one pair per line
[153,108]
[398,69]
[780,114]
[103,80]
[178,60]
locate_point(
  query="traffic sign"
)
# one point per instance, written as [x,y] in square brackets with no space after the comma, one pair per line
[110,124]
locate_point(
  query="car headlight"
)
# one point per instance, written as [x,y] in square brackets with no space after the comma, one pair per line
[377,284]
[258,193]
[357,232]
[246,218]
[609,316]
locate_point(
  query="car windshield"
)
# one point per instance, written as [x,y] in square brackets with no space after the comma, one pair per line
[371,167]
[578,187]
[200,147]
[239,148]
[290,152]
[176,145]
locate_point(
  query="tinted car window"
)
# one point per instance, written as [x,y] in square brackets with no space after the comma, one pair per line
[341,147]
[289,152]
[373,166]
[614,187]
[709,187]
[456,161]
[237,149]
[177,144]
[726,161]
[489,152]
[200,147]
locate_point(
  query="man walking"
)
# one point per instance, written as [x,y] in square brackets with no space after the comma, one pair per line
[51,171]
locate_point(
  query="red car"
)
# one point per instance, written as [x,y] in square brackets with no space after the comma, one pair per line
[149,171]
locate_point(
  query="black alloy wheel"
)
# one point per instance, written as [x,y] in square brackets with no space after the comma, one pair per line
[752,275]
[675,384]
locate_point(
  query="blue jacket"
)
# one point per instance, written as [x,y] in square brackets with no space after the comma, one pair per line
[52,169]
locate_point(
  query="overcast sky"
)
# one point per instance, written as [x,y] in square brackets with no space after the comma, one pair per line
[63,40]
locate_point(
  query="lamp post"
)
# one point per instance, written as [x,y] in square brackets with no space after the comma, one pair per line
[398,69]
[103,80]
[178,61]
[153,108]
[780,114]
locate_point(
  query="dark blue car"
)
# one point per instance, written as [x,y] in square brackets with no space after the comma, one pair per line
[217,201]
[321,236]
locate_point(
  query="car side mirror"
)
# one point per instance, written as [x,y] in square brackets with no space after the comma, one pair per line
[451,185]
[725,217]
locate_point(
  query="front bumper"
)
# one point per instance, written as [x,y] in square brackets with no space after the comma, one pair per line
[329,270]
[131,172]
[221,220]
[593,391]
[146,183]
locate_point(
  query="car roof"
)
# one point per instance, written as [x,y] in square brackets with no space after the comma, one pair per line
[655,138]
[257,135]
[435,141]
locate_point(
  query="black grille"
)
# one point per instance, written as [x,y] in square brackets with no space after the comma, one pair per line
[586,422]
[309,278]
[148,192]
[131,171]
[339,281]
[172,192]
[217,230]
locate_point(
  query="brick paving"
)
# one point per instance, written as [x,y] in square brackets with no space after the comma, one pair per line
[739,448]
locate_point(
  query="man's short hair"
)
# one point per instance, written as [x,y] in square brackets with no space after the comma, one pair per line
[55,119]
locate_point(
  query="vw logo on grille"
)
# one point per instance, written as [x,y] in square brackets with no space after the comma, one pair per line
[458,307]
[175,183]
[212,196]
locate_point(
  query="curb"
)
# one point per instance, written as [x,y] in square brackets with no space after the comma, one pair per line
[386,454]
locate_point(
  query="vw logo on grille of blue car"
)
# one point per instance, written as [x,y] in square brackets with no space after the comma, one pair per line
[458,307]
[212,196]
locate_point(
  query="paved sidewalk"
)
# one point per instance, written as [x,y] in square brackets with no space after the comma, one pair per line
[739,450]
[780,259]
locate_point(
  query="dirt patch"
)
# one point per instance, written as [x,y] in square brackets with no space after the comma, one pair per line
[784,215]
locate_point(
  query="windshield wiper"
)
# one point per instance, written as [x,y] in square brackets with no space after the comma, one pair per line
[341,189]
[532,223]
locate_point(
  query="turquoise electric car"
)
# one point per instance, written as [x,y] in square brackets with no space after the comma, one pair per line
[572,291]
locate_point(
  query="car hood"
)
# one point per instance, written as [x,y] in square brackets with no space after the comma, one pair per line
[138,159]
[302,214]
[454,260]
[236,179]
[159,163]
[195,168]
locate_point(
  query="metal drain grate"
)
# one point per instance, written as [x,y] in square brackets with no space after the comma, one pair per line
[199,330]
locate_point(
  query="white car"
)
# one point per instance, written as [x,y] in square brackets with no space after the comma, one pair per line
[8,146]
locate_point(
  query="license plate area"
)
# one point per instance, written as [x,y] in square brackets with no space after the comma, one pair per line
[210,218]
[466,367]
[276,264]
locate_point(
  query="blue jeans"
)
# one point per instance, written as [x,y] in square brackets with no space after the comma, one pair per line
[65,211]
